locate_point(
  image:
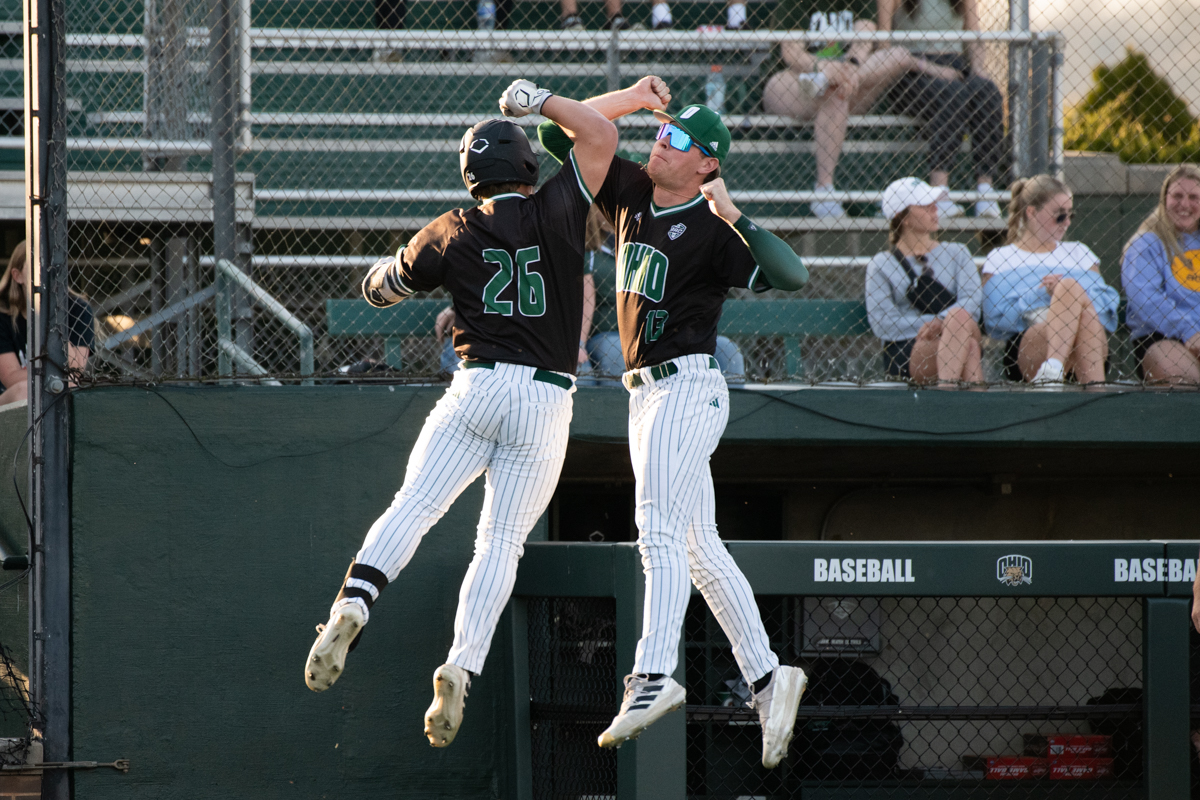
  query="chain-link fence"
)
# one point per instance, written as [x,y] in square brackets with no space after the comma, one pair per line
[341,121]
[906,696]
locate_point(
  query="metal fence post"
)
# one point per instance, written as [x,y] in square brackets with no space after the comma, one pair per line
[224,91]
[46,234]
[1018,89]
[655,766]
[1039,120]
[1168,704]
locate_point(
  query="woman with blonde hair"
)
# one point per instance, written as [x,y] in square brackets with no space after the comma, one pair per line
[1046,296]
[923,296]
[14,330]
[1160,270]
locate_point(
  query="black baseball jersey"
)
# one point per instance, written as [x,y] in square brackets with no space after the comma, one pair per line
[514,268]
[675,267]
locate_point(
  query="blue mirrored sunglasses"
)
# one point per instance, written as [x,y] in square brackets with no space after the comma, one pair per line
[680,139]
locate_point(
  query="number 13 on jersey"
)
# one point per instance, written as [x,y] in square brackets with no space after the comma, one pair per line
[531,289]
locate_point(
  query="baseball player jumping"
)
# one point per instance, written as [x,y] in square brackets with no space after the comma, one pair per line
[678,256]
[514,268]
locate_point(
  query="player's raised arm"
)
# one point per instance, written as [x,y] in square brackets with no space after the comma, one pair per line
[595,137]
[648,94]
[777,260]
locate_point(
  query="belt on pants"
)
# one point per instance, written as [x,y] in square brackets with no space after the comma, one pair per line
[633,378]
[543,375]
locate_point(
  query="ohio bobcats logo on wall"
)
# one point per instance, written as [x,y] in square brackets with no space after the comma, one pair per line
[1014,570]
[676,231]
[642,270]
[479,145]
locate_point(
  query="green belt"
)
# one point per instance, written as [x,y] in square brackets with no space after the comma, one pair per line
[543,375]
[660,371]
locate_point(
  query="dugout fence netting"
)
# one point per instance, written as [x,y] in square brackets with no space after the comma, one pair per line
[907,697]
[342,122]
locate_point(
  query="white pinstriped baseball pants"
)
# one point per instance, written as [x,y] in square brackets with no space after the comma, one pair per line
[674,426]
[500,421]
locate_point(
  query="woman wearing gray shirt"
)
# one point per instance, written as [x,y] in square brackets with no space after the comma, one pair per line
[941,347]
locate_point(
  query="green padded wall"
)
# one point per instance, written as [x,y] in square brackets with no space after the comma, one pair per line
[200,571]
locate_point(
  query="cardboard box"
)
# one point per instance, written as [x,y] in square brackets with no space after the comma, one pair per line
[1075,768]
[1078,746]
[1007,768]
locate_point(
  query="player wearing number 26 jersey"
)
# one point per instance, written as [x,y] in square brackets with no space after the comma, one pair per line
[514,267]
[681,245]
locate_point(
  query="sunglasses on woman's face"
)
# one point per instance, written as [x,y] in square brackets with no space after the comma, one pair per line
[1064,216]
[680,140]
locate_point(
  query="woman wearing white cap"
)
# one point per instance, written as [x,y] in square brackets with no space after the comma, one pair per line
[923,296]
[1046,296]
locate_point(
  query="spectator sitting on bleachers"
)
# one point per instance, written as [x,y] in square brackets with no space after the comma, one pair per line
[929,324]
[14,329]
[826,82]
[950,108]
[735,15]
[1045,296]
[1161,274]
[571,21]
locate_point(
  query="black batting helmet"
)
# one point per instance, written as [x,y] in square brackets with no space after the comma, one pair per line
[496,151]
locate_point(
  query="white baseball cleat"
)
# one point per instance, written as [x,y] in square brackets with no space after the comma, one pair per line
[777,705]
[327,658]
[444,717]
[644,702]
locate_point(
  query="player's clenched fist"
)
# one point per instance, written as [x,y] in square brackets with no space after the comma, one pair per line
[719,201]
[523,97]
[653,92]
[381,287]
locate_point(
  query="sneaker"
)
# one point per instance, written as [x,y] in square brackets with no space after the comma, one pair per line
[987,208]
[812,84]
[777,706]
[948,209]
[617,23]
[571,23]
[826,208]
[644,702]
[327,658]
[1050,376]
[444,717]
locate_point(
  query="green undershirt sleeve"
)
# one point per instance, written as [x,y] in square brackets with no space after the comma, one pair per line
[555,140]
[777,260]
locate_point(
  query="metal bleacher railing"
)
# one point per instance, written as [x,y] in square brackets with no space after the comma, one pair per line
[345,144]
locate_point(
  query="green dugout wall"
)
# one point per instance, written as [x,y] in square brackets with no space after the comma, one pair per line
[211,528]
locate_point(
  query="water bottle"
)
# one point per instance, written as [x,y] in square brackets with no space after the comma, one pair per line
[485,14]
[714,90]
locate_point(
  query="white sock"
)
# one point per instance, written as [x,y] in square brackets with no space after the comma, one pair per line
[735,15]
[1054,364]
[660,12]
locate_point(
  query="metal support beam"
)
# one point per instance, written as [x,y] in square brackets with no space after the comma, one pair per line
[1018,88]
[224,91]
[1039,103]
[46,234]
[1167,689]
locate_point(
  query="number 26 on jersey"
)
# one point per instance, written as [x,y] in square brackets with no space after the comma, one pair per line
[531,289]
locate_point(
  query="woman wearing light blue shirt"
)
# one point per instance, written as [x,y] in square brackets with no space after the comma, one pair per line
[1161,274]
[1044,296]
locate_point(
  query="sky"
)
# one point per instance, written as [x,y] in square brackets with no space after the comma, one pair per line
[1168,31]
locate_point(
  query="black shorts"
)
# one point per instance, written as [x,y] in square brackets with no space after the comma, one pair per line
[896,356]
[1142,343]
[1012,368]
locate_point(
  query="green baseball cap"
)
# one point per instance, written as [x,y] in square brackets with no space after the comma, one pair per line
[704,126]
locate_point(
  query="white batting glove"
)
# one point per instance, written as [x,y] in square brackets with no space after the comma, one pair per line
[380,287]
[523,97]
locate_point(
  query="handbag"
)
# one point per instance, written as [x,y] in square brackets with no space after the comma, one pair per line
[925,292]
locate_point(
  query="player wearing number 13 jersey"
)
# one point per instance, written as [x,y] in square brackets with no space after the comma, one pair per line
[514,267]
[681,245]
